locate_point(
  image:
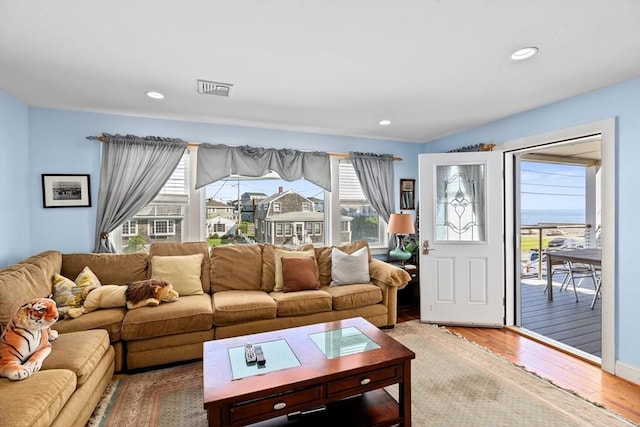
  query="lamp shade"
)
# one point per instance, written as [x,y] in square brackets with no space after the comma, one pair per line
[401,224]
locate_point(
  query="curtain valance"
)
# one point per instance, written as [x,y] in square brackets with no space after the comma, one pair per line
[219,161]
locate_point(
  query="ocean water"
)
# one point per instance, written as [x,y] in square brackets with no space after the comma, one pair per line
[564,216]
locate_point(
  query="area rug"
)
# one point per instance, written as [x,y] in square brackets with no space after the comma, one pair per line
[454,383]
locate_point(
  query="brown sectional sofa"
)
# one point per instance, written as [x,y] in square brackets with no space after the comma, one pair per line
[237,298]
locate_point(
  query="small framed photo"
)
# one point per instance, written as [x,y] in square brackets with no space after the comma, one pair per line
[407,194]
[66,191]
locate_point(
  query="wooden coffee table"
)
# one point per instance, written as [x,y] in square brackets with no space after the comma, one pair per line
[325,374]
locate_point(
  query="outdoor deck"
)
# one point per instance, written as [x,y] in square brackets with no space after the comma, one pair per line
[563,319]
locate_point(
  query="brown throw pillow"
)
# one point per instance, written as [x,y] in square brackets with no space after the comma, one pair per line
[299,274]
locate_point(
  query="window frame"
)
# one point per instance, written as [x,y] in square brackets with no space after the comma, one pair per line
[171,227]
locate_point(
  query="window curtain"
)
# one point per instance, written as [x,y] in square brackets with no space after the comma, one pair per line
[375,173]
[220,161]
[132,173]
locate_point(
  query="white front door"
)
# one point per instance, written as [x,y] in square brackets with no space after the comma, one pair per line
[461,223]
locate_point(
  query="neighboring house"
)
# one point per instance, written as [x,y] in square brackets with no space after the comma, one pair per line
[216,208]
[288,218]
[221,226]
[318,204]
[248,203]
[159,221]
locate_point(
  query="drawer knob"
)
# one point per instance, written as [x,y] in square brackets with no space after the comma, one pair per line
[279,406]
[365,381]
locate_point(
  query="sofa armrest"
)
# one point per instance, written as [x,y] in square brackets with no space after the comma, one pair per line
[388,274]
[389,278]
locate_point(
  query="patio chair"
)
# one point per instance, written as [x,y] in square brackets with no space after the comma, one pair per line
[580,271]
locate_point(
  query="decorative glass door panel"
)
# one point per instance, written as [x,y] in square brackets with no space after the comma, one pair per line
[460,203]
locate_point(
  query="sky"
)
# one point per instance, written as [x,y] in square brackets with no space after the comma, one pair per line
[227,190]
[552,186]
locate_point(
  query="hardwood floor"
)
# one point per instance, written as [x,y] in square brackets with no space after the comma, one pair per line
[564,370]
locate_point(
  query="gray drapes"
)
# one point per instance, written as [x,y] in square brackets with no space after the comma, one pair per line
[375,173]
[132,173]
[220,161]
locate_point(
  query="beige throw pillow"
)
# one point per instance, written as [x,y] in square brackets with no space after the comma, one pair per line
[283,253]
[348,269]
[182,271]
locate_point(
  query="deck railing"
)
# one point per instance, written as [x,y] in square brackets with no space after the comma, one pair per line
[541,233]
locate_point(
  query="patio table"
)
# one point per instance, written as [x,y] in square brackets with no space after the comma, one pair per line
[592,256]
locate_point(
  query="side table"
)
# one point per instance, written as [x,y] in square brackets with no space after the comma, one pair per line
[410,294]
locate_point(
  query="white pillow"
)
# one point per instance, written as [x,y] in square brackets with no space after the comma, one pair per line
[349,269]
[182,271]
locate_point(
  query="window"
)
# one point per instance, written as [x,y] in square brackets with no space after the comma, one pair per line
[219,228]
[358,219]
[166,217]
[130,228]
[164,227]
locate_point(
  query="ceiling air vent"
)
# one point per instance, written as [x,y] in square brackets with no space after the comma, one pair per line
[214,88]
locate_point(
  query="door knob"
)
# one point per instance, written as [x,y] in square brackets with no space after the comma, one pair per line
[425,247]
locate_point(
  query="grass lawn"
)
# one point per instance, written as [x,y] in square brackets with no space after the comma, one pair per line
[531,242]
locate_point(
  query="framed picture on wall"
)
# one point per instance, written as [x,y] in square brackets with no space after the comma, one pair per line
[66,191]
[407,194]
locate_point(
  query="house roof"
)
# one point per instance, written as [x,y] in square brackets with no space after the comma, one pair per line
[431,67]
[212,203]
[276,196]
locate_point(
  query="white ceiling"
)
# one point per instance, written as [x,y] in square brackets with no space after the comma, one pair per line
[338,67]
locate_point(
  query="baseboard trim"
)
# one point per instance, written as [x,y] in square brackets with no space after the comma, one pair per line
[628,372]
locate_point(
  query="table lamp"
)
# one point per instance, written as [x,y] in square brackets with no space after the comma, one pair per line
[400,225]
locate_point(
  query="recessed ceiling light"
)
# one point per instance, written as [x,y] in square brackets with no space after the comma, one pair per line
[384,122]
[155,95]
[524,53]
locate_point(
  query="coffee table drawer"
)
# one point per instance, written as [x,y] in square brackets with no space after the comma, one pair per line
[365,381]
[273,406]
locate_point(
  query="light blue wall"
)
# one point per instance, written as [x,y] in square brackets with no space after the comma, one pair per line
[15,191]
[58,145]
[621,101]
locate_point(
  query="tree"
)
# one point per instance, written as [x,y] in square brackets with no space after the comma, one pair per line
[136,243]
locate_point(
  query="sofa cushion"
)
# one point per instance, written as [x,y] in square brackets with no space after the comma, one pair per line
[233,307]
[185,248]
[299,274]
[354,296]
[41,398]
[27,280]
[109,319]
[80,352]
[302,302]
[111,269]
[281,253]
[323,257]
[236,267]
[187,314]
[182,271]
